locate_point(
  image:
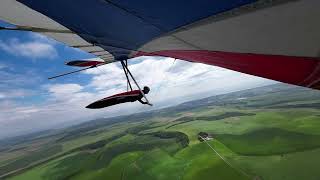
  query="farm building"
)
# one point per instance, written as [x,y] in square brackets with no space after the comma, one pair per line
[204,136]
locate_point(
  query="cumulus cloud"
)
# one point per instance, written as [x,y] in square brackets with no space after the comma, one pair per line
[41,38]
[37,47]
[172,79]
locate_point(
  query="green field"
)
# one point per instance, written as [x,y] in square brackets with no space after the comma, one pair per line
[265,133]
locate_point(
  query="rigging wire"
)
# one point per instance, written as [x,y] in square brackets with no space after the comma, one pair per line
[124,67]
[136,83]
[164,78]
[128,82]
[227,162]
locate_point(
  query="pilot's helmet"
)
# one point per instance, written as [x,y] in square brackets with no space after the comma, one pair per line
[146,89]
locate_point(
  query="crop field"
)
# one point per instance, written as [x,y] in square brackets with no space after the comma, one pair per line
[264,133]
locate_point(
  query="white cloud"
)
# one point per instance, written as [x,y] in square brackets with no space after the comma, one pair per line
[38,47]
[69,95]
[64,88]
[15,93]
[174,80]
[41,38]
[64,106]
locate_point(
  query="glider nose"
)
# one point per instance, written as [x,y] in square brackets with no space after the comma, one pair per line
[92,106]
[97,105]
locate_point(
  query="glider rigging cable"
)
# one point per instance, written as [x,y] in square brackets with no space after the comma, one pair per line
[223,159]
[134,80]
[123,64]
[164,78]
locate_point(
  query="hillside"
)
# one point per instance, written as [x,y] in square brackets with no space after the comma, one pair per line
[268,133]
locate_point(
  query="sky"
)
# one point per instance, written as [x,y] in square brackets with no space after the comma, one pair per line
[30,102]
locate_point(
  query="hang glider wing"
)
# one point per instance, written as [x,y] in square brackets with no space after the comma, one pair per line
[129,96]
[276,39]
[84,63]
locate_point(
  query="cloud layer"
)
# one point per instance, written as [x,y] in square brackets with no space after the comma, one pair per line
[171,82]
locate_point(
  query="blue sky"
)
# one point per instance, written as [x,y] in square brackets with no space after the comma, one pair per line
[30,102]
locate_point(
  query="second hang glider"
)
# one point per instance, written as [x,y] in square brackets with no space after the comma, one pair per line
[276,39]
[129,96]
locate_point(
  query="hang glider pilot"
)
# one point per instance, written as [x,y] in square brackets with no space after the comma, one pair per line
[145,90]
[125,97]
[137,95]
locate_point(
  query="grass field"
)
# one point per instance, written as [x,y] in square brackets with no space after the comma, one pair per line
[258,138]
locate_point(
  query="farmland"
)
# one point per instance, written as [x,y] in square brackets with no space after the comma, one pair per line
[264,133]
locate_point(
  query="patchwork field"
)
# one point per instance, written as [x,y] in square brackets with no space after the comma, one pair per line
[264,133]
